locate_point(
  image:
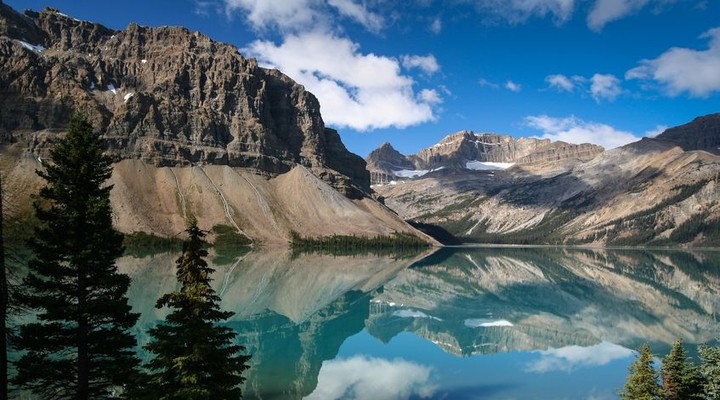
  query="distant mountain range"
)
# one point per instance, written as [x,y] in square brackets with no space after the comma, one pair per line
[489,188]
[197,129]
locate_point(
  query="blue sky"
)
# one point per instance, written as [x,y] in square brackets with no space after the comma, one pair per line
[413,71]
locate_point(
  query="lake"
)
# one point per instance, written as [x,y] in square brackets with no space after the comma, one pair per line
[463,323]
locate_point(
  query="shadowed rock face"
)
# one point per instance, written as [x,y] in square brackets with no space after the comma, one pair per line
[164,95]
[702,133]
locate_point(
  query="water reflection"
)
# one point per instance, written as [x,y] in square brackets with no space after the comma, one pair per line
[337,327]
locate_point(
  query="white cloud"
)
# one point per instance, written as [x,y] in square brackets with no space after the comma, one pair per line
[348,8]
[355,90]
[681,70]
[292,16]
[605,11]
[486,83]
[572,357]
[427,64]
[286,15]
[605,86]
[654,132]
[436,26]
[516,11]
[560,82]
[574,130]
[372,378]
[430,96]
[512,86]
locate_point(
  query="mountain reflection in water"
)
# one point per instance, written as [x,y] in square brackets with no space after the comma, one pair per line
[479,322]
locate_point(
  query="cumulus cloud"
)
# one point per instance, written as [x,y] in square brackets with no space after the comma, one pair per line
[605,11]
[517,11]
[571,357]
[427,64]
[574,130]
[512,86]
[605,86]
[680,70]
[355,90]
[372,378]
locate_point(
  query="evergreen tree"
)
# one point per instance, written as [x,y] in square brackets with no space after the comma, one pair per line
[642,383]
[710,371]
[194,357]
[680,377]
[79,346]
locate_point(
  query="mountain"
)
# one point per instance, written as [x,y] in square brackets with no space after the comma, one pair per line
[659,191]
[193,125]
[472,151]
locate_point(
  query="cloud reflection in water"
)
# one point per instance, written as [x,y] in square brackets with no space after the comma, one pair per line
[571,357]
[363,377]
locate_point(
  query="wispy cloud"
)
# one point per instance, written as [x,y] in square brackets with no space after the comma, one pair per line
[574,130]
[512,86]
[605,87]
[564,83]
[680,70]
[356,90]
[436,26]
[518,11]
[604,11]
[359,13]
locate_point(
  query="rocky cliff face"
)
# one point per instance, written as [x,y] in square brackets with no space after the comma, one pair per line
[164,95]
[456,150]
[661,191]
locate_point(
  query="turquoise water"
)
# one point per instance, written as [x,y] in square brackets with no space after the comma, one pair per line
[489,323]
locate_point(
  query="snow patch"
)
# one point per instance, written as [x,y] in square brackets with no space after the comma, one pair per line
[413,314]
[414,173]
[128,96]
[111,88]
[143,61]
[486,323]
[32,47]
[487,166]
[67,16]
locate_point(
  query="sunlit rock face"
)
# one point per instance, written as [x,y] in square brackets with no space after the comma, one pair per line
[657,191]
[164,95]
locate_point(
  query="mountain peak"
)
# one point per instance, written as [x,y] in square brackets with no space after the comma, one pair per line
[702,133]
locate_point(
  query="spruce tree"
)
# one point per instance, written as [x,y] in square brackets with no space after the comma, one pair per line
[642,383]
[79,345]
[195,358]
[680,377]
[710,371]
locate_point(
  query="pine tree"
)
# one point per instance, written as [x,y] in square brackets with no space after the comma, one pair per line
[710,371]
[195,358]
[642,383]
[79,346]
[680,377]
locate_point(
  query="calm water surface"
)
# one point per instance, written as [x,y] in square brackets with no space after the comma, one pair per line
[486,323]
